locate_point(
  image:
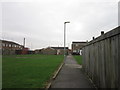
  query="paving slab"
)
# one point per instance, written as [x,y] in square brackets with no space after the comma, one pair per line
[71,76]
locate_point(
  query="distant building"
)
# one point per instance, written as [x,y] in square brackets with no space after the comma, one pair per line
[48,51]
[9,47]
[69,51]
[77,47]
[52,51]
[25,51]
[38,51]
[60,50]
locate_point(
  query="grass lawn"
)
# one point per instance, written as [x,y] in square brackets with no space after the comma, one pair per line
[78,58]
[28,71]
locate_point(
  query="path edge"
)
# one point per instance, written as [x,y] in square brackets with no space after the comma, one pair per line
[54,76]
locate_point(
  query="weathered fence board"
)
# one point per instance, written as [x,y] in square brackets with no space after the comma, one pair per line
[119,62]
[101,59]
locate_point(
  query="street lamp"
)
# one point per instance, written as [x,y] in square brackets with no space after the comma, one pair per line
[65,38]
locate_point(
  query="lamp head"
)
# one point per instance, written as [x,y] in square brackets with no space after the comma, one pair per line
[66,22]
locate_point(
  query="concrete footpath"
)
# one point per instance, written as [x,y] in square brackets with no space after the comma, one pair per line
[71,76]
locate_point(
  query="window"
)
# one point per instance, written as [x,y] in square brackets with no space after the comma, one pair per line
[19,46]
[3,45]
[76,45]
[9,45]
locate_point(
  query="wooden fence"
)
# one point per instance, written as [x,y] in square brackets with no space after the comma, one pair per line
[101,59]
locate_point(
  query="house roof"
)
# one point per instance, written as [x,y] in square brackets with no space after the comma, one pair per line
[11,42]
[59,47]
[49,48]
[79,42]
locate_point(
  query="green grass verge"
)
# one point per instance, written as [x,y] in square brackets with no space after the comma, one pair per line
[78,58]
[28,71]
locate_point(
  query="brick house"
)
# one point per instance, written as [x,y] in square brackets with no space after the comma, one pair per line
[9,47]
[77,47]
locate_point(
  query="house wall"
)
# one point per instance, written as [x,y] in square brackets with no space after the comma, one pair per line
[77,46]
[8,47]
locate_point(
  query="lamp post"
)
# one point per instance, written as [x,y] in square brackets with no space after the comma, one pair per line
[65,38]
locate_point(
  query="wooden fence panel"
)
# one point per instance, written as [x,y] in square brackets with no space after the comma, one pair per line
[101,59]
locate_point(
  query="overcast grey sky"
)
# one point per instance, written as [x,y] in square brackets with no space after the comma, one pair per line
[41,21]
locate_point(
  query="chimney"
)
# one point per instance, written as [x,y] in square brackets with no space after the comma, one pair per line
[93,38]
[24,42]
[102,32]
